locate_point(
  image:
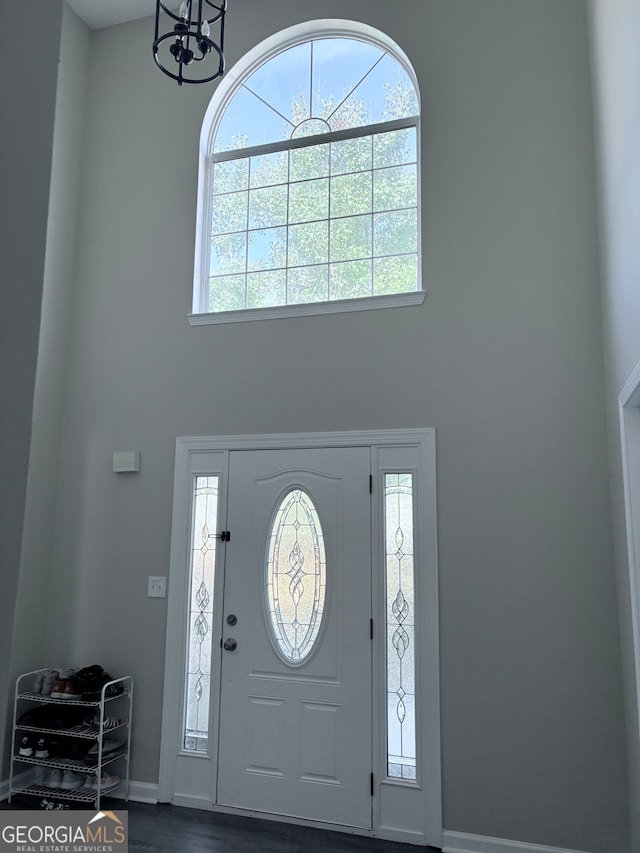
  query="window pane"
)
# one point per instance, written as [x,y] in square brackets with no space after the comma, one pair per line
[394,148]
[338,66]
[247,121]
[350,280]
[230,176]
[266,288]
[350,238]
[395,187]
[308,244]
[295,594]
[309,200]
[310,162]
[351,155]
[200,617]
[268,169]
[229,213]
[383,95]
[267,249]
[285,73]
[395,232]
[228,254]
[308,284]
[351,194]
[268,207]
[226,293]
[395,275]
[400,606]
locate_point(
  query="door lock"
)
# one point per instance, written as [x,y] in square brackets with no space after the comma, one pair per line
[230,644]
[232,619]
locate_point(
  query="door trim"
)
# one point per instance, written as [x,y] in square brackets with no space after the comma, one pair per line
[396,803]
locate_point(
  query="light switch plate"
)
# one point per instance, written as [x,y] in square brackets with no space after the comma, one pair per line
[157,587]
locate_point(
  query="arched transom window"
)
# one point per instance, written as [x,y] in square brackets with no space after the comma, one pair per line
[311,174]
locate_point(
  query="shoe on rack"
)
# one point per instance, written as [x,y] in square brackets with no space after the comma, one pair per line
[110,746]
[66,674]
[71,691]
[72,780]
[93,720]
[26,747]
[48,680]
[54,780]
[106,781]
[57,691]
[38,681]
[41,749]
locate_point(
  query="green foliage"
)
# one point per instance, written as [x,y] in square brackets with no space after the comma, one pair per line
[346,204]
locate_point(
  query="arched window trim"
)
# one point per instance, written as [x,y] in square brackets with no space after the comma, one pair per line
[226,90]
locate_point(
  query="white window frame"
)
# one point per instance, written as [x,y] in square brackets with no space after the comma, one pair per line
[259,55]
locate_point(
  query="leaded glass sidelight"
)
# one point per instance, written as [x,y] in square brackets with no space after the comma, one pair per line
[400,617]
[295,576]
[200,614]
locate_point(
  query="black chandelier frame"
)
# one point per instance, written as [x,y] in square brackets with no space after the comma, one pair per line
[189,44]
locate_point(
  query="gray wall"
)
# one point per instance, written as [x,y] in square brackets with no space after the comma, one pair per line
[616,24]
[33,610]
[27,102]
[504,359]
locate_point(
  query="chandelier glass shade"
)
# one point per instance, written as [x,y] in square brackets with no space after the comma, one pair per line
[189,42]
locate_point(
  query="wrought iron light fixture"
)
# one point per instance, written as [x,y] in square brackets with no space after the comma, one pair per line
[184,39]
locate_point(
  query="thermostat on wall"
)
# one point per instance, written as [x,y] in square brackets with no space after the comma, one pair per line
[126,461]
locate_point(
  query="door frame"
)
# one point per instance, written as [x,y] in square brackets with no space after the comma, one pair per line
[404,811]
[629,415]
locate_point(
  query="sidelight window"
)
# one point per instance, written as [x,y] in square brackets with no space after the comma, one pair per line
[400,606]
[200,614]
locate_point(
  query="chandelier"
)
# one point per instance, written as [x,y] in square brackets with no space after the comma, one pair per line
[184,46]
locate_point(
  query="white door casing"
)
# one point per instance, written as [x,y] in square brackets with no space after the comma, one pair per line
[403,811]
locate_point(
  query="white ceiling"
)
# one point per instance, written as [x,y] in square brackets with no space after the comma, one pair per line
[105,13]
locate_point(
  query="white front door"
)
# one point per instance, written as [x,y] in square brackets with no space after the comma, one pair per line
[295,734]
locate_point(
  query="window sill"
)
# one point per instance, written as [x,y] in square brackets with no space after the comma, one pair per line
[396,300]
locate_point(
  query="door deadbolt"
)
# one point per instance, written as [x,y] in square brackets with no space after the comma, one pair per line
[232,619]
[230,644]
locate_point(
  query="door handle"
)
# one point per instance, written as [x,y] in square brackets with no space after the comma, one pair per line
[230,644]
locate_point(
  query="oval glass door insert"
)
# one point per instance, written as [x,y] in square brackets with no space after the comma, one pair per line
[296,576]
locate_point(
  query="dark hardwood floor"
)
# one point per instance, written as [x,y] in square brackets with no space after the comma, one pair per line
[173,829]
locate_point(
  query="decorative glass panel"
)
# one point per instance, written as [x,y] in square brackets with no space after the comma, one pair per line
[319,86]
[203,563]
[400,603]
[295,576]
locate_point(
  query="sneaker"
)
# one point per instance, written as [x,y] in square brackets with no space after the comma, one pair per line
[106,781]
[26,747]
[48,680]
[54,780]
[70,691]
[58,688]
[38,681]
[65,674]
[93,720]
[110,746]
[72,780]
[41,749]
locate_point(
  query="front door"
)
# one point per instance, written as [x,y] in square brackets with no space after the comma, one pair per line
[295,733]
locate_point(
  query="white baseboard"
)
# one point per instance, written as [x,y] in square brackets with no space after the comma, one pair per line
[140,792]
[462,842]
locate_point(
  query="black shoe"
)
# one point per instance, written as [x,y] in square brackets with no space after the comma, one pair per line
[41,749]
[26,747]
